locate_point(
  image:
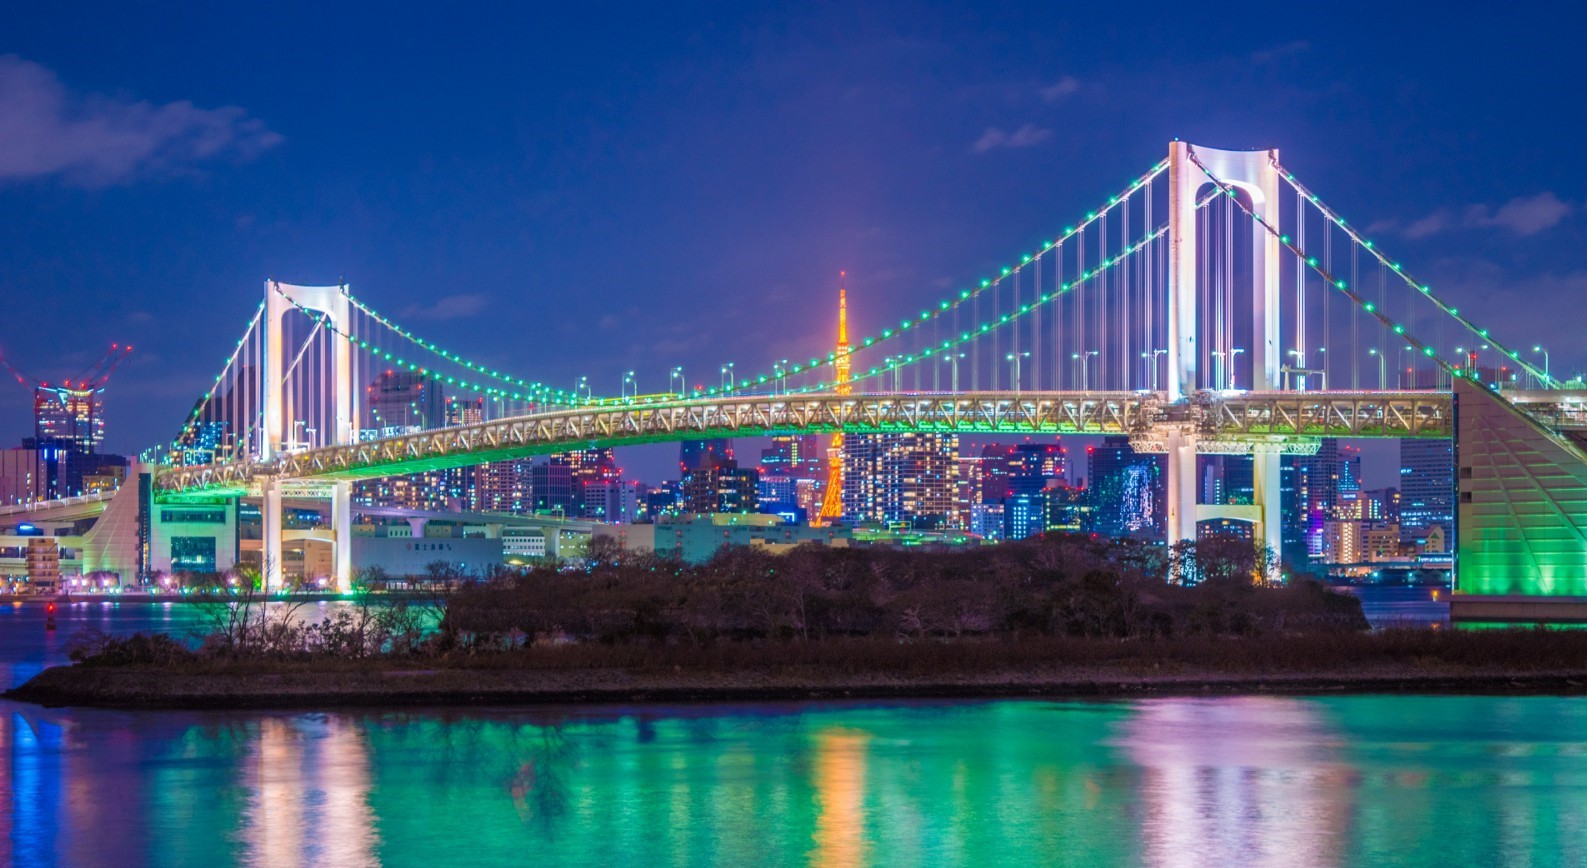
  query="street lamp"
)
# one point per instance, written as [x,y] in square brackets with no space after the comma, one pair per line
[1085,368]
[677,377]
[1547,380]
[1155,354]
[583,383]
[1409,369]
[727,376]
[1232,353]
[1013,359]
[1383,374]
[780,369]
[628,380]
[953,359]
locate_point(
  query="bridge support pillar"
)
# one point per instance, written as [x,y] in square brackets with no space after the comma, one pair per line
[342,525]
[1267,474]
[1181,472]
[271,550]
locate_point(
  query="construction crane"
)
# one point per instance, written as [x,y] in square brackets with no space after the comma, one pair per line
[72,410]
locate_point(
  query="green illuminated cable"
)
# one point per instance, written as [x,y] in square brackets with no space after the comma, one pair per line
[1311,261]
[1422,288]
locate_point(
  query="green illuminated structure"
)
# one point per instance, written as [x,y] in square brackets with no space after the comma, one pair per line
[1521,516]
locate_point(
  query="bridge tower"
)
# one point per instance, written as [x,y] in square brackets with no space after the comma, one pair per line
[832,499]
[333,303]
[1255,174]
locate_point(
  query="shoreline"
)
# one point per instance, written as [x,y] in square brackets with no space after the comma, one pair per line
[131,688]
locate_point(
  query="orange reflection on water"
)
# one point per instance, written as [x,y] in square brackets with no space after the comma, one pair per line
[840,798]
[310,785]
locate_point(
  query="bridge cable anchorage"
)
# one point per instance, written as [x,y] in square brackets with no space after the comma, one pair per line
[950,304]
[1423,290]
[1338,284]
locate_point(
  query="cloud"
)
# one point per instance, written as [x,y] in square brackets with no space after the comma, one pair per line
[448,307]
[1066,86]
[94,140]
[1523,215]
[1527,215]
[1279,52]
[1023,137]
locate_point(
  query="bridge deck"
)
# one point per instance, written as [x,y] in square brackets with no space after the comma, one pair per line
[1229,415]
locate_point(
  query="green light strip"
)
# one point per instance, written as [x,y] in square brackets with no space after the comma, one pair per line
[198,411]
[1422,288]
[946,306]
[980,329]
[399,362]
[450,356]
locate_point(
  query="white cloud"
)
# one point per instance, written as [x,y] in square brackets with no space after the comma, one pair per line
[1523,215]
[1024,137]
[94,140]
[448,307]
[1066,86]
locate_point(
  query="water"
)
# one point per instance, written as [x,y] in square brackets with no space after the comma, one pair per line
[1410,780]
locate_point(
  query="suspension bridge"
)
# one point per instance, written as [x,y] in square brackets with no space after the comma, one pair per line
[1212,305]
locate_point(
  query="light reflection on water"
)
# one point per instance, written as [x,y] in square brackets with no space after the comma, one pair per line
[1414,780]
[1184,781]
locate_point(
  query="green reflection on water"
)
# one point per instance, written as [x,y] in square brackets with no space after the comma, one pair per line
[1218,781]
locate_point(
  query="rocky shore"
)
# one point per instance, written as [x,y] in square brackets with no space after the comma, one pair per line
[381,685]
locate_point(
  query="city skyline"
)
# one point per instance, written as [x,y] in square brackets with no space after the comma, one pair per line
[263,189]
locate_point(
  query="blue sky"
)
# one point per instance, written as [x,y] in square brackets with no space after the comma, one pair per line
[586,191]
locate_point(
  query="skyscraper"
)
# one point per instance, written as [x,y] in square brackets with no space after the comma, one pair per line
[404,400]
[905,478]
[1128,491]
[1427,489]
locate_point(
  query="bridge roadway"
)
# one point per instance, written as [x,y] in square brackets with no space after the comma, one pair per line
[1223,422]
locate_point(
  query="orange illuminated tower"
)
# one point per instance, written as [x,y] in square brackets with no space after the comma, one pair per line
[832,502]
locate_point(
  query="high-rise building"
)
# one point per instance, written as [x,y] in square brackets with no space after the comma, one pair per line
[612,501]
[398,401]
[902,479]
[503,486]
[551,488]
[1427,489]
[705,454]
[1033,463]
[1128,491]
[70,418]
[797,456]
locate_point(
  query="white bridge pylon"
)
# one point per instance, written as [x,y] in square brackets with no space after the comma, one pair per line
[1254,173]
[280,423]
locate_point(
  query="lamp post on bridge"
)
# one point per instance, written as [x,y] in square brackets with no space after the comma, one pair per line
[1232,353]
[677,377]
[583,383]
[628,380]
[1548,381]
[727,376]
[1151,363]
[1408,369]
[1084,360]
[1383,373]
[780,369]
[1013,359]
[953,359]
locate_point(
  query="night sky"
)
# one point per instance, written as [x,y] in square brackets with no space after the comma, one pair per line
[561,192]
